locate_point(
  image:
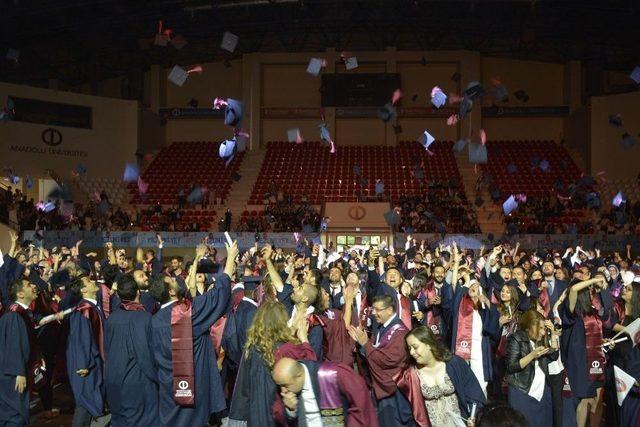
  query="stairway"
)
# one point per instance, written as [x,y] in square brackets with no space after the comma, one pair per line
[241,190]
[489,214]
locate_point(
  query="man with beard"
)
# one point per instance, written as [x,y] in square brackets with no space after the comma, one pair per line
[430,304]
[335,288]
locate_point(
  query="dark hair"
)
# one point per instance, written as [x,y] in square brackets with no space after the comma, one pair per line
[528,319]
[110,273]
[426,336]
[583,302]
[75,287]
[500,415]
[177,258]
[16,287]
[151,251]
[127,288]
[159,290]
[317,276]
[387,300]
[513,301]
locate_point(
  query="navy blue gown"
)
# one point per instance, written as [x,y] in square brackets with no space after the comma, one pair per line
[209,396]
[130,371]
[83,353]
[14,356]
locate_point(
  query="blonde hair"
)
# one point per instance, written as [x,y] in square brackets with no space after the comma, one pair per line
[269,327]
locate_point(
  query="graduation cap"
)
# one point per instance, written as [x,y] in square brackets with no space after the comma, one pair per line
[315,66]
[227,150]
[511,168]
[465,106]
[324,133]
[178,75]
[379,187]
[14,179]
[294,135]
[233,112]
[142,186]
[456,77]
[196,195]
[13,54]
[618,199]
[351,63]
[500,93]
[593,200]
[131,173]
[392,218]
[61,192]
[229,42]
[357,170]
[426,140]
[459,146]
[438,97]
[509,205]
[477,153]
[544,165]
[474,90]
[521,95]
[635,75]
[387,112]
[627,141]
[615,120]
[48,207]
[28,181]
[251,283]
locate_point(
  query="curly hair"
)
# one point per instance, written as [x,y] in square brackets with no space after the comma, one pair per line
[269,327]
[425,336]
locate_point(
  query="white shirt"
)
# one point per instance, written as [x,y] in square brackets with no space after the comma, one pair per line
[476,363]
[537,385]
[166,304]
[308,399]
[94,302]
[26,307]
[310,310]
[384,325]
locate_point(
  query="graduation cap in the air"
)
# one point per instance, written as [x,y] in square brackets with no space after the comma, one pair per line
[14,179]
[618,199]
[357,170]
[392,218]
[294,135]
[438,97]
[227,150]
[229,41]
[627,141]
[511,168]
[477,153]
[426,139]
[509,205]
[387,112]
[474,90]
[196,195]
[28,181]
[465,106]
[233,112]
[521,95]
[500,93]
[544,165]
[178,75]
[315,66]
[351,63]
[615,120]
[459,146]
[131,173]
[456,77]
[379,187]
[635,75]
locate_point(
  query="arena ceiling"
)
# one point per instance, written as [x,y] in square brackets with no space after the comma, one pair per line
[79,41]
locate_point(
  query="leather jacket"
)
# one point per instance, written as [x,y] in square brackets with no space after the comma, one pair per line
[518,346]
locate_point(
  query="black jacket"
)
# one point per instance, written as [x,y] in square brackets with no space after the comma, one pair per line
[518,346]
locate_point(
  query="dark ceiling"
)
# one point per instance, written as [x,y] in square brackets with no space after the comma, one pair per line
[79,41]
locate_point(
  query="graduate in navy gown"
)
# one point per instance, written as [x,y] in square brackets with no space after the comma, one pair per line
[190,384]
[85,352]
[585,310]
[255,401]
[20,360]
[130,372]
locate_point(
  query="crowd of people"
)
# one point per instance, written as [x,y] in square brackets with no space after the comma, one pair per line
[428,335]
[282,216]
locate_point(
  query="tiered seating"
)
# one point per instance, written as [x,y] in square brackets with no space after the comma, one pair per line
[529,178]
[113,187]
[310,169]
[182,164]
[203,219]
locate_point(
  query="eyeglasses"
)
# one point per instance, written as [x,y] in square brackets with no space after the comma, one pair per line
[378,309]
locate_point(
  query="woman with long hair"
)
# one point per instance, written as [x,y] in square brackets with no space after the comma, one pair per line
[255,399]
[509,300]
[440,386]
[625,355]
[527,361]
[587,306]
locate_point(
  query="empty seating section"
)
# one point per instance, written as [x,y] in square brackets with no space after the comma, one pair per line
[527,156]
[310,170]
[113,187]
[182,164]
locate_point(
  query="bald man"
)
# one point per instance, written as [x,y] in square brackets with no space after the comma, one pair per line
[317,394]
